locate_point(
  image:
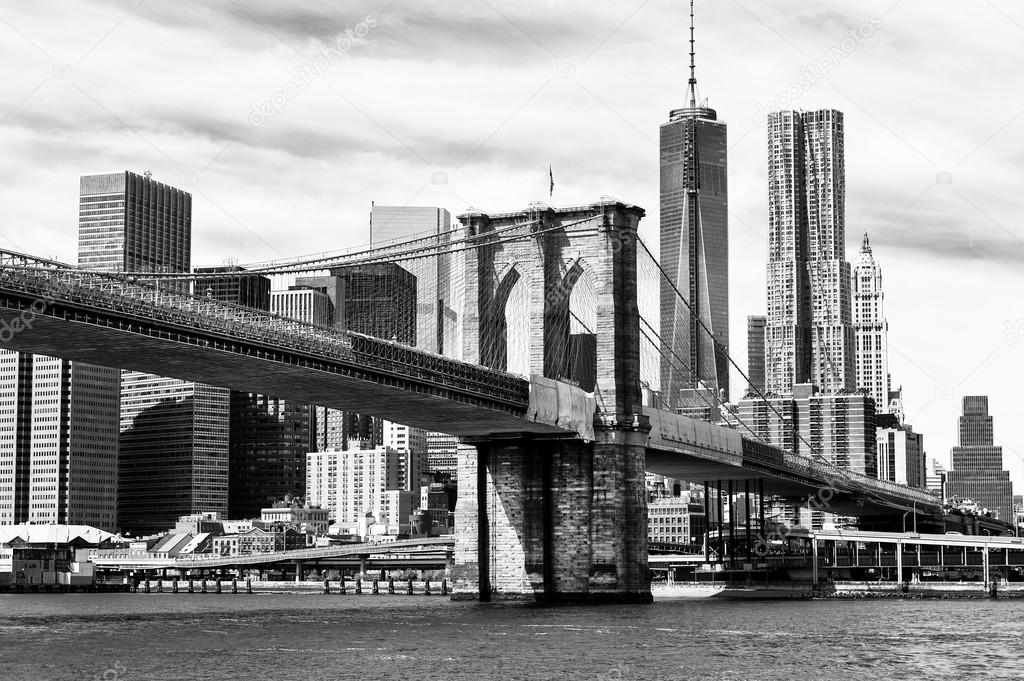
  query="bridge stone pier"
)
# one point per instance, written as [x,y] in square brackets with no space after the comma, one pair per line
[559,518]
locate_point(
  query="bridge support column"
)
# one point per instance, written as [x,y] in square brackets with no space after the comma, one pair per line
[814,561]
[899,562]
[707,523]
[719,522]
[553,520]
[749,515]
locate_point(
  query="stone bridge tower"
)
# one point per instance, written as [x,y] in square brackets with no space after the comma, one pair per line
[561,518]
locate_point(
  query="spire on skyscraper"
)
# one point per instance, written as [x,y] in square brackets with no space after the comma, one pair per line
[693,66]
[865,246]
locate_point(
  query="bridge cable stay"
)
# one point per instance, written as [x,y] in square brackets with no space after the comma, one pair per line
[671,356]
[423,253]
[578,320]
[410,249]
[815,453]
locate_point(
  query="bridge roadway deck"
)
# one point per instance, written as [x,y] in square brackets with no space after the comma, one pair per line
[691,449]
[52,309]
[435,549]
[110,322]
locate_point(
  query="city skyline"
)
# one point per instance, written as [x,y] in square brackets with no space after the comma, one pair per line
[966,217]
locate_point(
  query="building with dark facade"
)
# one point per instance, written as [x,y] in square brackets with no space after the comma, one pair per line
[174,451]
[755,352]
[247,290]
[269,440]
[694,249]
[380,301]
[977,463]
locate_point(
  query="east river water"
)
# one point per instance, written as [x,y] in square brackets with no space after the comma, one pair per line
[124,637]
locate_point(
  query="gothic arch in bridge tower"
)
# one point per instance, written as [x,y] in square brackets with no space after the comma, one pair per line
[570,326]
[494,322]
[515,310]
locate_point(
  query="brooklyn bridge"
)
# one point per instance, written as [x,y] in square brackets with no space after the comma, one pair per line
[551,379]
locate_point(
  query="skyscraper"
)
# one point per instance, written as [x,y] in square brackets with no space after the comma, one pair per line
[16,444]
[174,451]
[977,472]
[60,463]
[871,329]
[173,457]
[131,223]
[755,352]
[248,290]
[58,452]
[269,440]
[380,301]
[694,248]
[436,326]
[809,336]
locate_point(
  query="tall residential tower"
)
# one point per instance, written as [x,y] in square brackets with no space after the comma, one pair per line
[694,248]
[809,336]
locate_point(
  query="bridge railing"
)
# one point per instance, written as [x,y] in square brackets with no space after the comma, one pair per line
[831,476]
[844,479]
[50,281]
[149,303]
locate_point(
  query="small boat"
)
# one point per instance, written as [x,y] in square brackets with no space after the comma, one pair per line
[681,591]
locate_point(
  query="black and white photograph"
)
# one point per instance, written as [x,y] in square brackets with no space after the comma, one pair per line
[512,340]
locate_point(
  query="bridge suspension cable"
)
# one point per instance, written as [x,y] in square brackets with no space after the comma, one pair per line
[814,451]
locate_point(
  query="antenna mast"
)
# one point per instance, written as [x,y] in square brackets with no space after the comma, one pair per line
[693,67]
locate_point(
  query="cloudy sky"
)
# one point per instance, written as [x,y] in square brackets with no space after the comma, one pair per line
[285,120]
